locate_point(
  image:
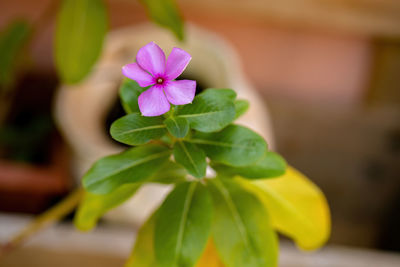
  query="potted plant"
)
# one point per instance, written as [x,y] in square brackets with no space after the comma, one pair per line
[233,211]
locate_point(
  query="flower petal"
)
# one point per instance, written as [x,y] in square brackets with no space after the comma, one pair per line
[153,102]
[151,58]
[135,72]
[177,61]
[180,92]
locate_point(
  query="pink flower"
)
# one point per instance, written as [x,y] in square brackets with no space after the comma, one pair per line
[152,69]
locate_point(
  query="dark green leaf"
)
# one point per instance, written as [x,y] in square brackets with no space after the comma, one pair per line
[94,206]
[183,225]
[210,111]
[241,229]
[129,93]
[169,173]
[235,145]
[133,165]
[166,14]
[241,106]
[12,40]
[135,129]
[177,126]
[191,157]
[80,31]
[269,165]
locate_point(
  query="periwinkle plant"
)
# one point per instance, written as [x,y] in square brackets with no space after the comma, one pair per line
[175,145]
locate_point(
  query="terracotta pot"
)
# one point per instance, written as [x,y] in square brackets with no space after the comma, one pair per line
[81,109]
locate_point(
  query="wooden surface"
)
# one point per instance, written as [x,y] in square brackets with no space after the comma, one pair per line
[63,246]
[366,17]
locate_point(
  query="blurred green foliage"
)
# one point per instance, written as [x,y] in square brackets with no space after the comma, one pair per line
[12,41]
[166,14]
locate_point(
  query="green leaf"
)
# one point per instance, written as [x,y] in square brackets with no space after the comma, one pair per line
[235,145]
[269,165]
[191,157]
[135,129]
[210,111]
[183,225]
[133,165]
[166,139]
[12,40]
[166,14]
[178,127]
[129,93]
[142,254]
[225,92]
[241,230]
[241,106]
[94,206]
[169,173]
[80,31]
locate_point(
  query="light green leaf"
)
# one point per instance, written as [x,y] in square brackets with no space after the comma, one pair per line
[210,111]
[166,14]
[191,157]
[80,31]
[135,129]
[133,165]
[177,126]
[12,40]
[241,229]
[183,225]
[142,254]
[241,106]
[235,145]
[92,207]
[297,207]
[269,165]
[129,93]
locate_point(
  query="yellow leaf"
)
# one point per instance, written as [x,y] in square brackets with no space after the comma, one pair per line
[210,257]
[143,252]
[297,207]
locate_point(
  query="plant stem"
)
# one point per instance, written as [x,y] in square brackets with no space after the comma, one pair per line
[45,220]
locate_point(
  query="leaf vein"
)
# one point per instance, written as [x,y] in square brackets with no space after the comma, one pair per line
[190,157]
[130,165]
[236,216]
[208,142]
[143,129]
[186,206]
[200,114]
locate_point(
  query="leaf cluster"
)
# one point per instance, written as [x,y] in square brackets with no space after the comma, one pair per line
[178,148]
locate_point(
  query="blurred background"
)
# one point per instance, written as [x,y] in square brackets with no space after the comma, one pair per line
[328,72]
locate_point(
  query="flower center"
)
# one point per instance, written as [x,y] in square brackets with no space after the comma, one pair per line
[160,80]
